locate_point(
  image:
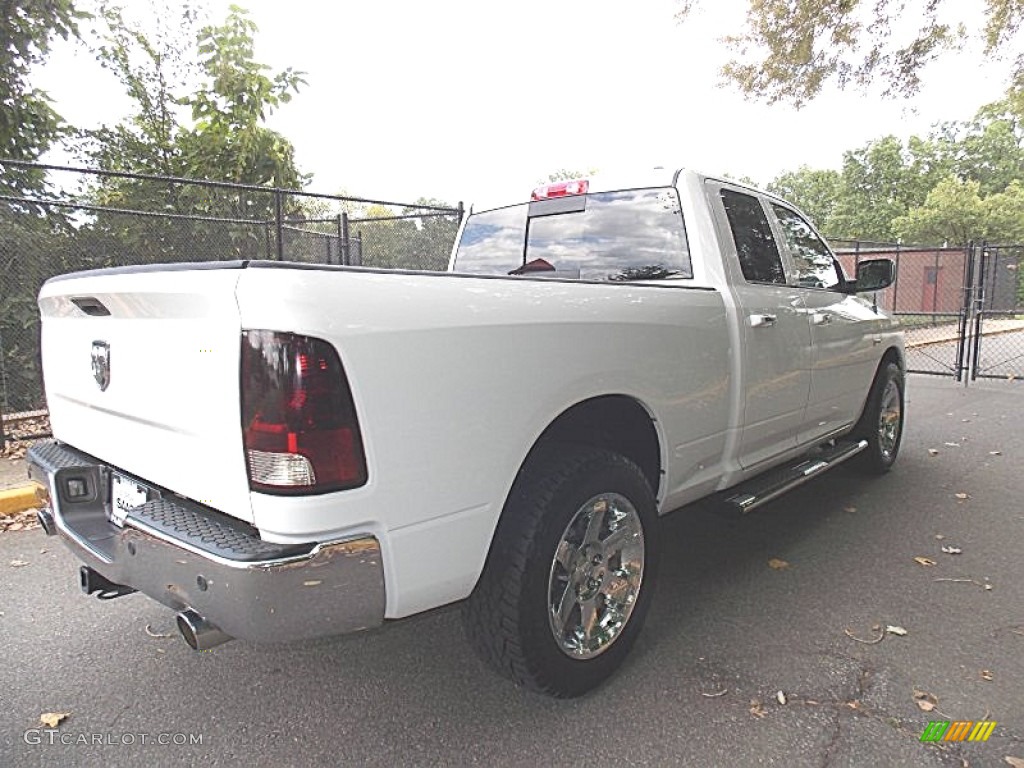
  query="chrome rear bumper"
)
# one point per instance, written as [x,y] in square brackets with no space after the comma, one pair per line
[188,556]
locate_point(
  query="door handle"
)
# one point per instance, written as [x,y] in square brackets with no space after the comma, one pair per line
[762,321]
[822,318]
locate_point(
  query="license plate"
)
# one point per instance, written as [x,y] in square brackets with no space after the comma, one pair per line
[124,495]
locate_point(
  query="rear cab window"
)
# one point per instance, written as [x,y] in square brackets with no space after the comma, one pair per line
[635,234]
[756,249]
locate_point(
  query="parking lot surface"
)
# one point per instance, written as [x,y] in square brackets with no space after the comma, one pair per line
[741,663]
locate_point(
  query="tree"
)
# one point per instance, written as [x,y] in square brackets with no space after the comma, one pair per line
[881,181]
[1004,212]
[789,49]
[231,105]
[207,74]
[961,182]
[566,174]
[815,191]
[226,139]
[989,148]
[28,124]
[952,214]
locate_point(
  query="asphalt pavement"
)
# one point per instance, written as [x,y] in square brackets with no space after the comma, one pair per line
[727,632]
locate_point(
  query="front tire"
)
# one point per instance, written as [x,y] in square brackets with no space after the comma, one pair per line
[569,577]
[881,424]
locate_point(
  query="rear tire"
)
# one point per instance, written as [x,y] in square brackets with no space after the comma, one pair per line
[569,577]
[881,424]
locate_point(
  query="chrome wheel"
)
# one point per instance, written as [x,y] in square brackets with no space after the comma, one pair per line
[595,575]
[890,418]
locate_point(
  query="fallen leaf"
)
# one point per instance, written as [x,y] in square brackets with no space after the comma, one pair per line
[714,695]
[777,564]
[876,641]
[893,630]
[52,719]
[925,561]
[18,563]
[986,674]
[756,708]
[952,550]
[16,526]
[781,698]
[962,496]
[925,701]
[1014,762]
[933,452]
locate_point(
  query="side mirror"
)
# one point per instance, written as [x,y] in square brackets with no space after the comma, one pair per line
[873,275]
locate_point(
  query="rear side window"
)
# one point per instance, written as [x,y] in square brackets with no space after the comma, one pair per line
[628,235]
[755,246]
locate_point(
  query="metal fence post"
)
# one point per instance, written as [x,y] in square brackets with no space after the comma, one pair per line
[341,241]
[279,223]
[346,249]
[896,284]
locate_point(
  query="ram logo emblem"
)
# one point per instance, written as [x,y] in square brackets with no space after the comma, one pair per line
[101,364]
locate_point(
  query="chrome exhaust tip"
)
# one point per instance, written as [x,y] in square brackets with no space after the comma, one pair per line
[45,519]
[200,634]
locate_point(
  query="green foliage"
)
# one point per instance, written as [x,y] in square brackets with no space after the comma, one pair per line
[424,242]
[963,182]
[566,174]
[815,191]
[789,49]
[952,214]
[882,181]
[226,139]
[28,124]
[199,104]
[230,107]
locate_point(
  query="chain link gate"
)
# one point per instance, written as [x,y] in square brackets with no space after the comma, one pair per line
[962,310]
[997,348]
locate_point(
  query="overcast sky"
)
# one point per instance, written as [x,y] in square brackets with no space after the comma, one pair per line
[470,100]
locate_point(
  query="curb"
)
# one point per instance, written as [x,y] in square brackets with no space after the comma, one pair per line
[21,499]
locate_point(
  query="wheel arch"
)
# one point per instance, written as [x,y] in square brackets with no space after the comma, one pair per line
[618,423]
[891,355]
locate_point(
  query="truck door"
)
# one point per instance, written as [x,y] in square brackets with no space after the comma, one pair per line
[842,326]
[775,336]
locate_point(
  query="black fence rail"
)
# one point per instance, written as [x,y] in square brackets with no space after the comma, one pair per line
[89,219]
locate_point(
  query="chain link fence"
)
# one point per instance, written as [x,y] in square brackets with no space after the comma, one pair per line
[91,219]
[962,308]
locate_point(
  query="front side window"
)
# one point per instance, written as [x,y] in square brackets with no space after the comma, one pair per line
[618,236]
[813,265]
[755,246]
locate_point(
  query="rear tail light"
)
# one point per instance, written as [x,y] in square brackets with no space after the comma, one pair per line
[299,423]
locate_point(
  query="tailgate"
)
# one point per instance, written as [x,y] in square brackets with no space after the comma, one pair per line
[141,369]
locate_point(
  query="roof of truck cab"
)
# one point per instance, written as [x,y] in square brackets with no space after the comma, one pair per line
[639,177]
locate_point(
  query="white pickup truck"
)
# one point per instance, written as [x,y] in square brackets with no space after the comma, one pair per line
[279,451]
